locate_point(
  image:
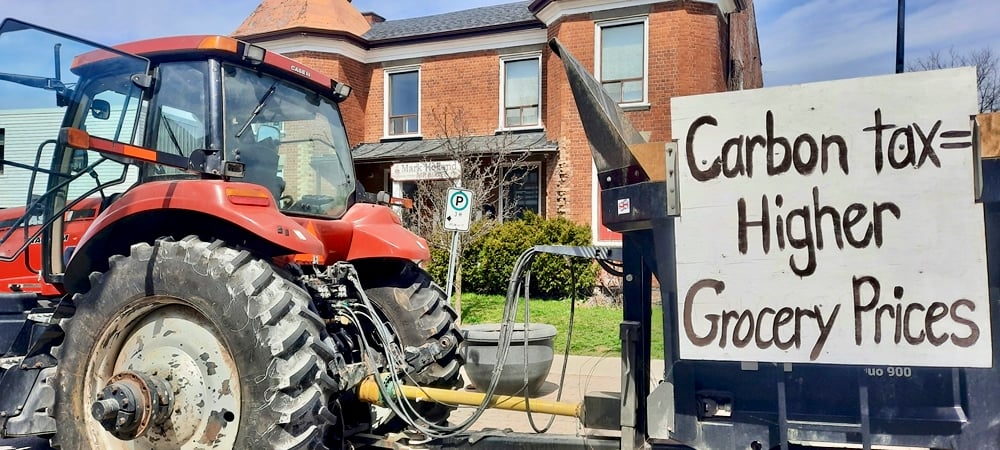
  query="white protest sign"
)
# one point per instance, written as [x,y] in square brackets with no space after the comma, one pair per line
[833,222]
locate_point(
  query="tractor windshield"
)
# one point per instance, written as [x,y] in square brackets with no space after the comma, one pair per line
[49,80]
[292,141]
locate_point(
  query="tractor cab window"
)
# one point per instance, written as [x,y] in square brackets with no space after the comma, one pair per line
[180,108]
[292,141]
[48,81]
[177,115]
[109,108]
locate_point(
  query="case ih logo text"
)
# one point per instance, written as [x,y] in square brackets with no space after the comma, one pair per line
[300,71]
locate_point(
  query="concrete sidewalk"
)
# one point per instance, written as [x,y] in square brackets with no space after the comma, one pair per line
[583,374]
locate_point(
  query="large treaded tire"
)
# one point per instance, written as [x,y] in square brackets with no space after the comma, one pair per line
[418,312]
[278,347]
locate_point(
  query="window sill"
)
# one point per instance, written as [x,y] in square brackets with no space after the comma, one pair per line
[402,137]
[634,106]
[520,129]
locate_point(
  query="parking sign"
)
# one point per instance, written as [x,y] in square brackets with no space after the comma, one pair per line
[459,213]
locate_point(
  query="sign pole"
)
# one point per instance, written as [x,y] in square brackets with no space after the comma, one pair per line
[452,260]
[457,218]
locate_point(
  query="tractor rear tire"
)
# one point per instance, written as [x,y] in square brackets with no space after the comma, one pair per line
[237,343]
[419,313]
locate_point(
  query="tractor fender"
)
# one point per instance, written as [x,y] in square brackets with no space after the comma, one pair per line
[242,214]
[378,233]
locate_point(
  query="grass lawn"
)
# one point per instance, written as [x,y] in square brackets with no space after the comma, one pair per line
[595,330]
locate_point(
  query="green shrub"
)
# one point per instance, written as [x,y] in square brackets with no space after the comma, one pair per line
[437,267]
[488,262]
[554,274]
[440,246]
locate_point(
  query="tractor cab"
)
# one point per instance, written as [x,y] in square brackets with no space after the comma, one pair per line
[179,230]
[83,121]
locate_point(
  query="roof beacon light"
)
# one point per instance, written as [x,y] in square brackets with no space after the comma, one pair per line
[223,43]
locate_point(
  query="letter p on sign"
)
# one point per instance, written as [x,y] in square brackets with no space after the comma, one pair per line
[459,212]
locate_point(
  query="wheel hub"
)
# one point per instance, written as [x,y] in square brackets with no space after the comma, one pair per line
[131,402]
[162,378]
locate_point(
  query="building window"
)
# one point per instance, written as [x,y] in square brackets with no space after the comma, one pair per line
[621,46]
[520,94]
[402,102]
[522,191]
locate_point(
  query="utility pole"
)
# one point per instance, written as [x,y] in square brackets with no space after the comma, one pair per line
[900,27]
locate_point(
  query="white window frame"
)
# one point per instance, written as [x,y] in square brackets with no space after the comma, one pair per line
[598,39]
[387,101]
[503,194]
[502,116]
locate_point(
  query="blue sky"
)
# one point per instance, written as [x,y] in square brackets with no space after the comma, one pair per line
[801,40]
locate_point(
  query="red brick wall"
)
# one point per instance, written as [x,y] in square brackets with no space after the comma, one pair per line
[460,91]
[745,46]
[459,94]
[374,106]
[569,182]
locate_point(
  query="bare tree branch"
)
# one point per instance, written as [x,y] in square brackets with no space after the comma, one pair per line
[987,64]
[486,171]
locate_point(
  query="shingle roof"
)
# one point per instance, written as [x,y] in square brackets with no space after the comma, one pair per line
[488,17]
[436,148]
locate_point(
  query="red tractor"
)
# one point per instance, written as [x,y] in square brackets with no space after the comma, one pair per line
[187,259]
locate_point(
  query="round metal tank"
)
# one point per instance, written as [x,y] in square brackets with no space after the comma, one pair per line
[480,351]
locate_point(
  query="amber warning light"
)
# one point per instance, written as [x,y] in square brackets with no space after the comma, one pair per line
[248,197]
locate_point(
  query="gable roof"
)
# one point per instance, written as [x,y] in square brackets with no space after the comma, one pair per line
[496,17]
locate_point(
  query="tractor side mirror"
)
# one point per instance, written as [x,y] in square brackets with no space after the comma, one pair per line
[100,109]
[78,162]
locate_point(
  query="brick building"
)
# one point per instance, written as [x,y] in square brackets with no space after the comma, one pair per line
[487,76]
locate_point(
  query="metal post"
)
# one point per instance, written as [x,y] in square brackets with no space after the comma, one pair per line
[782,412]
[451,266]
[900,27]
[637,316]
[452,262]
